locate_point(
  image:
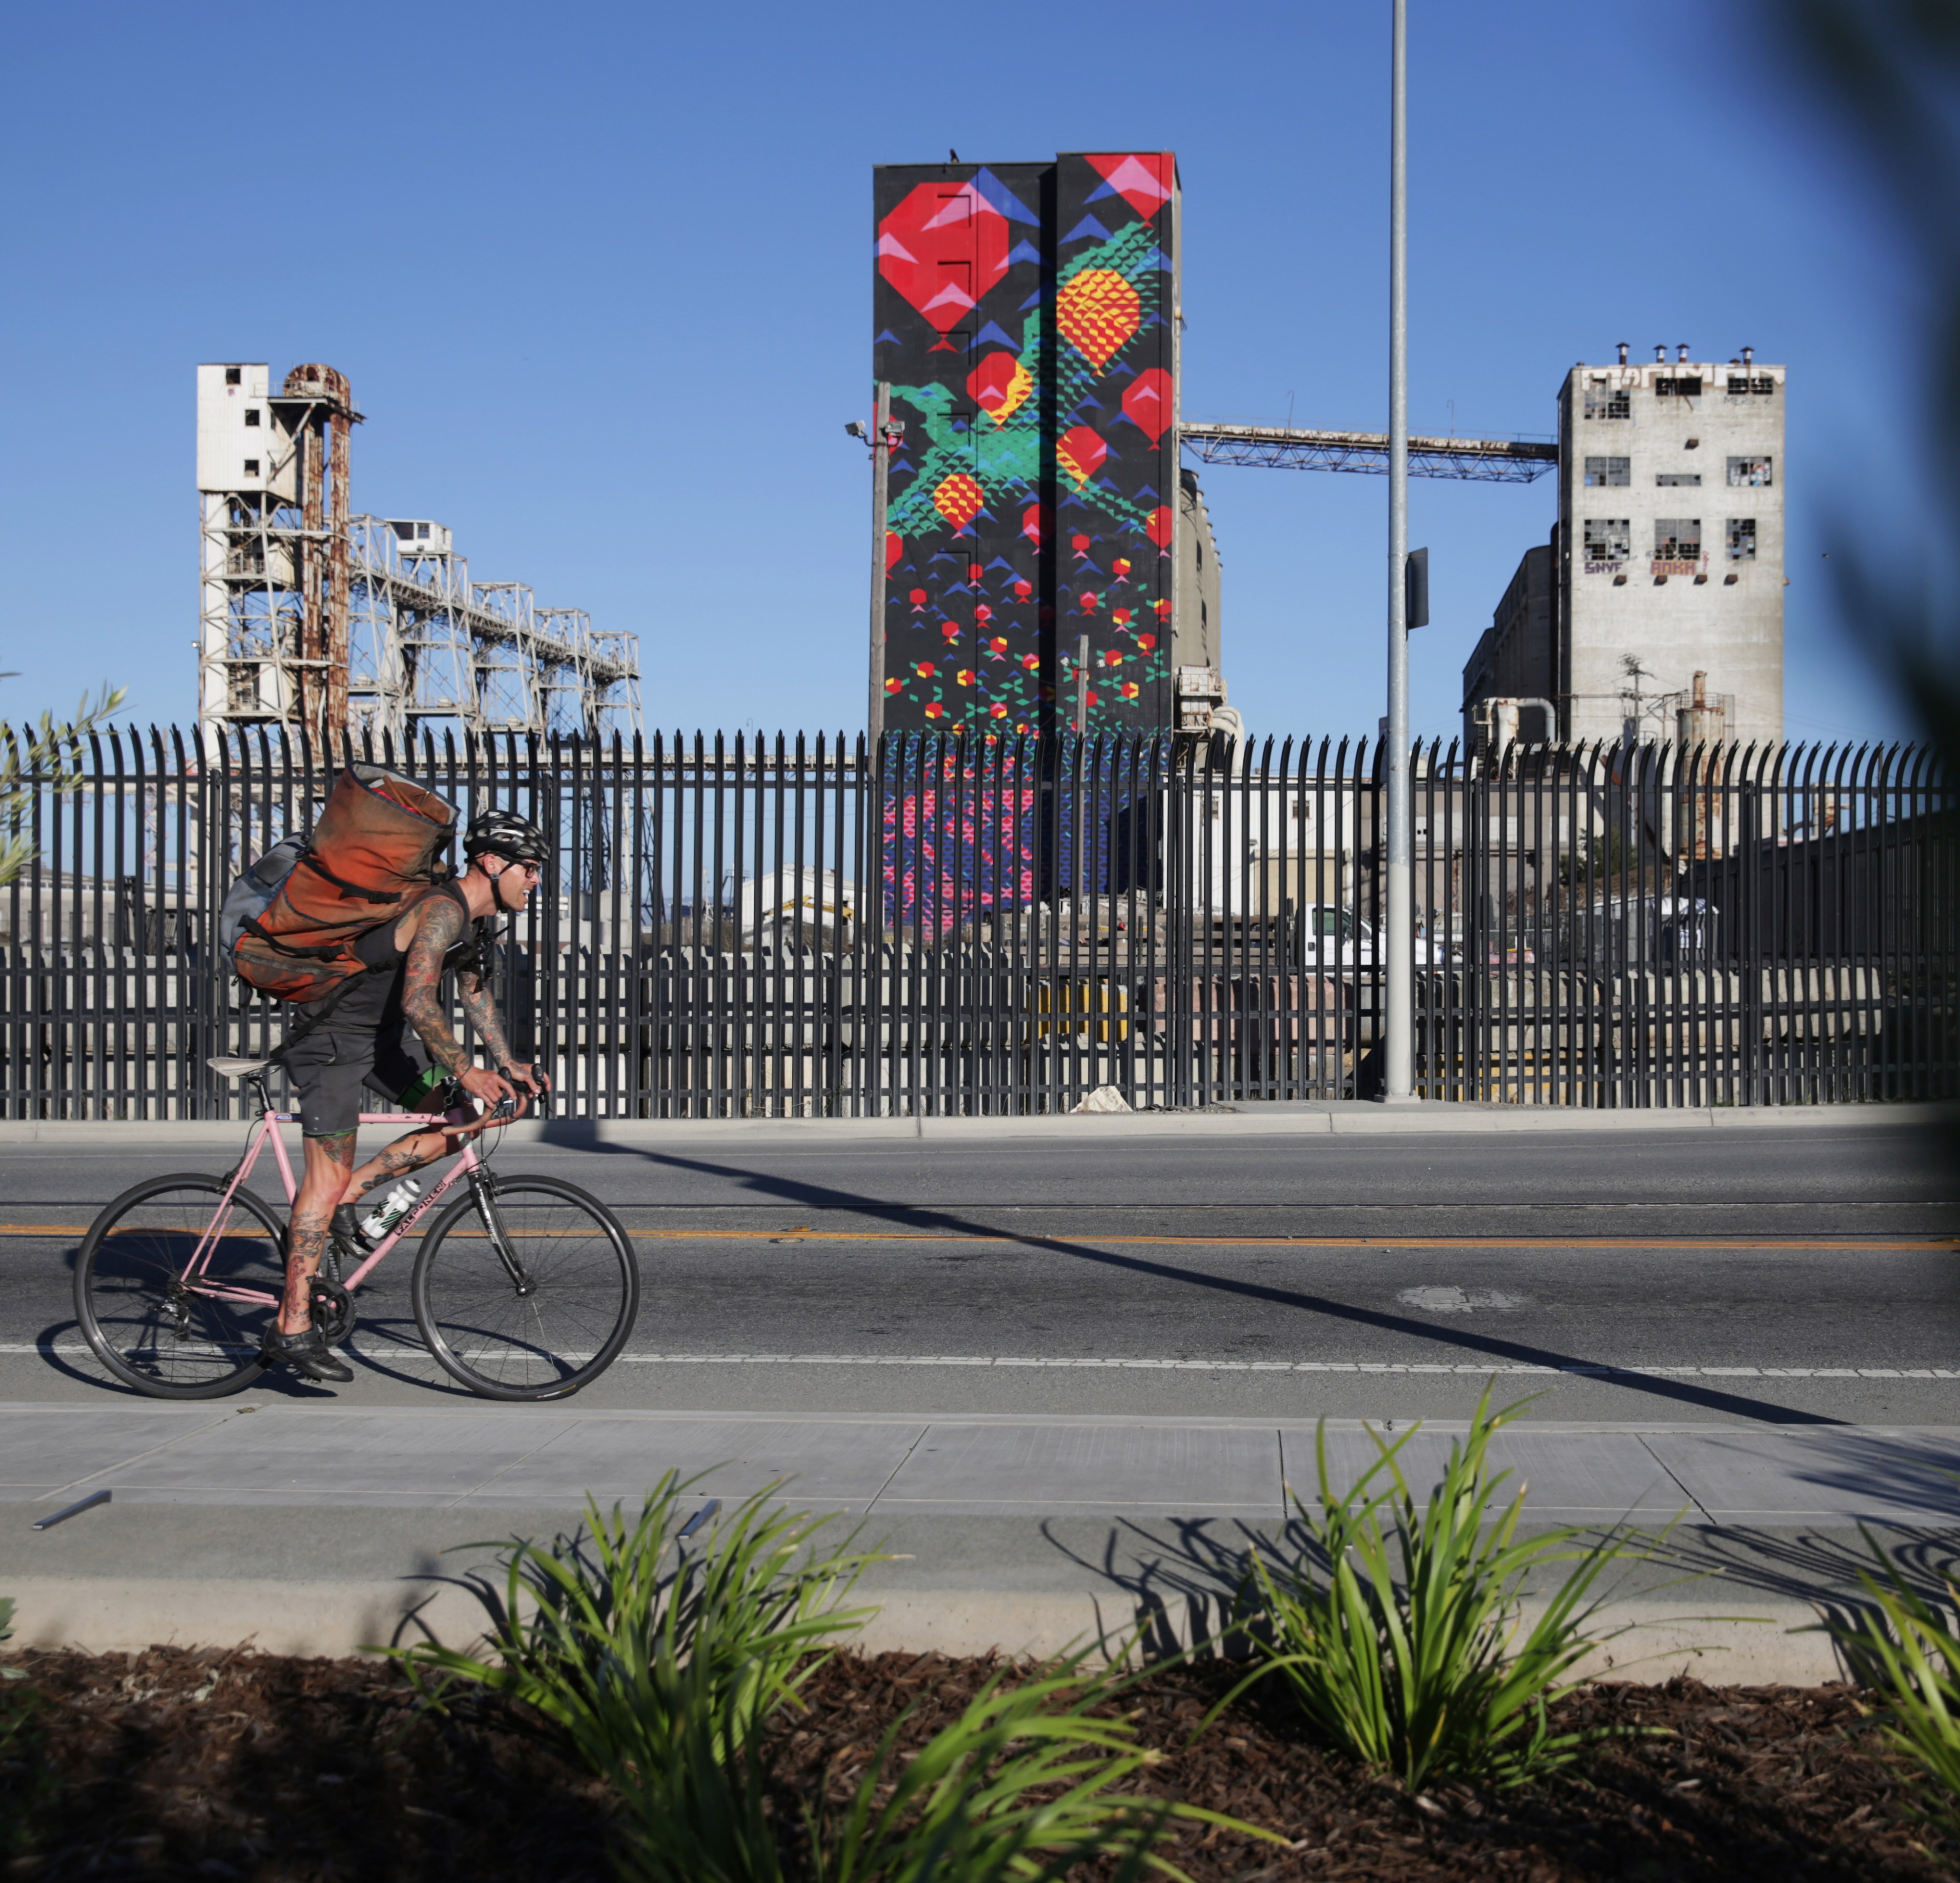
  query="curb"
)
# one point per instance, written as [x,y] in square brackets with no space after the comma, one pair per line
[1353,1119]
[1775,1645]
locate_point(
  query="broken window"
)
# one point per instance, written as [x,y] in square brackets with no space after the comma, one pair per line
[1753,472]
[1683,385]
[1752,385]
[1668,479]
[251,467]
[1677,538]
[1605,401]
[233,375]
[251,415]
[1608,540]
[1609,471]
[1742,538]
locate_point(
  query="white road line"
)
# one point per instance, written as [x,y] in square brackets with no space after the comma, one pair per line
[1584,1370]
[1281,1366]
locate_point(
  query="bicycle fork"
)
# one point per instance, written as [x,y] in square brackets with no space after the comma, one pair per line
[485,1193]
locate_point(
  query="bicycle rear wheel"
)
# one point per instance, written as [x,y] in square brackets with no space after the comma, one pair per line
[534,1304]
[172,1337]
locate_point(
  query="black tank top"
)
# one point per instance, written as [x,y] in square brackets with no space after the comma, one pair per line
[374,1003]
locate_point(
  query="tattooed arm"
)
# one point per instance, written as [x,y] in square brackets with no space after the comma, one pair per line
[474,989]
[438,924]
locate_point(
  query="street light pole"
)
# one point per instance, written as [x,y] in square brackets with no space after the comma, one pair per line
[1399,1058]
[880,442]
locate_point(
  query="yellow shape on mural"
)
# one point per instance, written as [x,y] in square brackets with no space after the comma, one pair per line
[958,499]
[1097,311]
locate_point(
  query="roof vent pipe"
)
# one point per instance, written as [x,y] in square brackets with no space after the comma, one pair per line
[1623,353]
[1682,355]
[1748,356]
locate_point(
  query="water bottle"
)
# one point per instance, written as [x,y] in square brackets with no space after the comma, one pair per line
[395,1205]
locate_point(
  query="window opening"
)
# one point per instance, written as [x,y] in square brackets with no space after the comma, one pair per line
[251,415]
[1677,538]
[1609,471]
[251,467]
[1604,401]
[1668,479]
[1677,385]
[233,375]
[1742,538]
[1751,386]
[1754,472]
[1608,542]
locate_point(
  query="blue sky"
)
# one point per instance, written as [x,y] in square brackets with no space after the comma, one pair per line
[601,277]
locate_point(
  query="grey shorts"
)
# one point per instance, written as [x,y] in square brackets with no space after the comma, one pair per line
[330,1071]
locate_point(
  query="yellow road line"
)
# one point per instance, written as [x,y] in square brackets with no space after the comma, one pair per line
[1206,1242]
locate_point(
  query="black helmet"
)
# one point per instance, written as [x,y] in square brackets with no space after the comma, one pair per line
[507,835]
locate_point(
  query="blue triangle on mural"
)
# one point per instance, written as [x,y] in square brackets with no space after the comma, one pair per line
[1001,562]
[1145,491]
[997,196]
[1025,251]
[1090,403]
[1033,300]
[998,335]
[1086,228]
[884,334]
[1157,259]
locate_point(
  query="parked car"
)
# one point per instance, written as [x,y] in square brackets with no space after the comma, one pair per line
[1338,938]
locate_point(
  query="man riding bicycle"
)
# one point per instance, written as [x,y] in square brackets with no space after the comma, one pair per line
[389,1032]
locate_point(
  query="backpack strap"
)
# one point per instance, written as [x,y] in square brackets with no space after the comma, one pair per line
[341,883]
[326,1013]
[252,925]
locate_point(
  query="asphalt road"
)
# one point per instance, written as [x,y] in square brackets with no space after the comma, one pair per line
[1772,1276]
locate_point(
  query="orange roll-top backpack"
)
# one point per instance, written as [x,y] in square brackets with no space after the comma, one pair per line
[291,921]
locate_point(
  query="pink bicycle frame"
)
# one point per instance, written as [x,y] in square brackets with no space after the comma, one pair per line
[268,1129]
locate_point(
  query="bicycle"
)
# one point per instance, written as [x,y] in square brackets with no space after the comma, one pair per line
[524,1288]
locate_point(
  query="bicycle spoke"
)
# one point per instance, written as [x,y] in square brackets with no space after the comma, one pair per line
[161,1319]
[558,1321]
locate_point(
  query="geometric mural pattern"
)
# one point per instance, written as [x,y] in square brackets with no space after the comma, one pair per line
[1023,315]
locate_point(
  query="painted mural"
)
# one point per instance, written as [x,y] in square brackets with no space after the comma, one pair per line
[1023,318]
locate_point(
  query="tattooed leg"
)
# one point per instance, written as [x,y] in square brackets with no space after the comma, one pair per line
[409,1153]
[329,1160]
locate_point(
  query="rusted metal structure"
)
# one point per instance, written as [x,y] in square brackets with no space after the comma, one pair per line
[1289,448]
[329,623]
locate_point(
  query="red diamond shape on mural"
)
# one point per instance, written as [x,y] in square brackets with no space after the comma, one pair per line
[943,248]
[1146,403]
[958,499]
[1159,527]
[1080,453]
[1142,179]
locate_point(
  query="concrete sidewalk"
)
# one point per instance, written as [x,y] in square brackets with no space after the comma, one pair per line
[1302,1119]
[314,1528]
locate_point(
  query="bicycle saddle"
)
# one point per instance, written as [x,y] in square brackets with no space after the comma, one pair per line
[237,1068]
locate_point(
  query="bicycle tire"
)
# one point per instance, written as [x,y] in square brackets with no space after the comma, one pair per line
[582,1273]
[165,1342]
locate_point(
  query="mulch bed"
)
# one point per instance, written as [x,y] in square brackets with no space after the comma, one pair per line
[176,1764]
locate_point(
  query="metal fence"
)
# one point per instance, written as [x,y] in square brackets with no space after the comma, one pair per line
[795,927]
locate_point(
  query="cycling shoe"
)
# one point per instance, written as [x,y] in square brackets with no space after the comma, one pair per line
[306,1353]
[345,1230]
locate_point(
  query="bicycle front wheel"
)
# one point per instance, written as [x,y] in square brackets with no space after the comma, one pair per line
[160,1319]
[530,1293]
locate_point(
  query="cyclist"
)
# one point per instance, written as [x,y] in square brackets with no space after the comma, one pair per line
[390,1033]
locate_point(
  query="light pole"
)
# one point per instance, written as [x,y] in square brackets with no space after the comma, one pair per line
[1398,1057]
[882,438]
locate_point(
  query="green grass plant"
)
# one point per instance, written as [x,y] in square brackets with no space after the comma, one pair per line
[1024,1786]
[1908,1652]
[596,1631]
[1398,1626]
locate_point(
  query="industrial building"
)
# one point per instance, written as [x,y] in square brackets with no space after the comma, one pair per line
[1045,563]
[1655,611]
[312,617]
